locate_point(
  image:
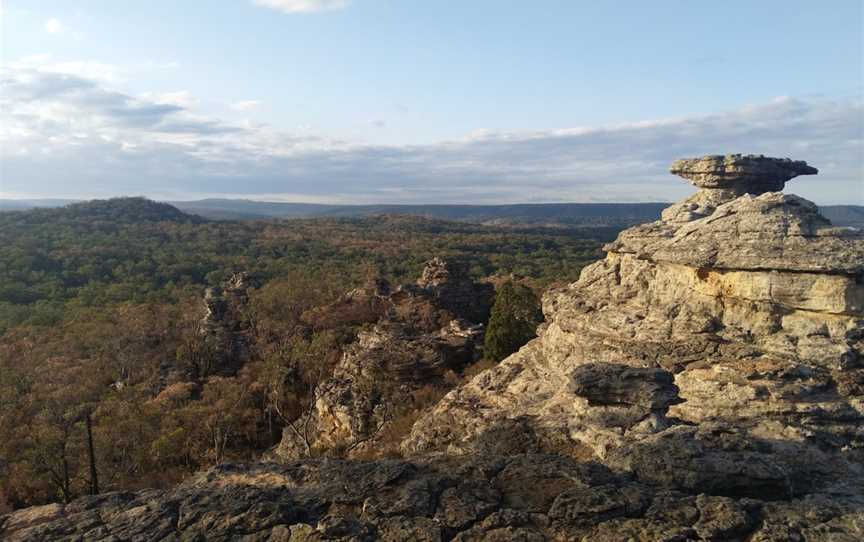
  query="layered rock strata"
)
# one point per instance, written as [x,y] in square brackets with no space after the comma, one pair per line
[756,306]
[422,333]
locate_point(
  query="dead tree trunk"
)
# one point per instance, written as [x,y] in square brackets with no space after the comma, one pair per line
[94,476]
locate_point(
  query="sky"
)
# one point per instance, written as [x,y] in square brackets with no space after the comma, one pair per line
[417,101]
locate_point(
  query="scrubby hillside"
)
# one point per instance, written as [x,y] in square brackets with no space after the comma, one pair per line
[190,342]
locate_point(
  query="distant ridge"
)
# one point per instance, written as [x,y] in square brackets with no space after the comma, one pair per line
[116,211]
[551,214]
[534,214]
[25,204]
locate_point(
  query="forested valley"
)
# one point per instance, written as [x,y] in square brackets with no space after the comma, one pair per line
[107,380]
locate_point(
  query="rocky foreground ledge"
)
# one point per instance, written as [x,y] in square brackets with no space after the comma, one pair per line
[705,381]
[530,497]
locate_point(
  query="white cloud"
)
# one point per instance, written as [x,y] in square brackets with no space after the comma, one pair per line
[181,97]
[53,26]
[97,71]
[245,105]
[55,118]
[303,6]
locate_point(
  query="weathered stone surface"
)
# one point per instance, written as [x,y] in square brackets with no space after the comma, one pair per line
[595,505]
[743,173]
[773,231]
[610,384]
[420,336]
[450,287]
[526,497]
[754,304]
[721,518]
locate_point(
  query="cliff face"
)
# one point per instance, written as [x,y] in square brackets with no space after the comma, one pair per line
[748,299]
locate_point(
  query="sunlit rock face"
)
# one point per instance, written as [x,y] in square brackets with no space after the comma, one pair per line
[419,335]
[724,178]
[749,299]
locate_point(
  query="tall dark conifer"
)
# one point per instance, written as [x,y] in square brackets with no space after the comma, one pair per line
[515,317]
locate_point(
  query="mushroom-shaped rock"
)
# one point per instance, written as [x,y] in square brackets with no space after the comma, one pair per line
[742,173]
[722,178]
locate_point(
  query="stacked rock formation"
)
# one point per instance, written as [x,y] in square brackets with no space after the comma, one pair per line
[724,178]
[420,334]
[746,295]
[223,327]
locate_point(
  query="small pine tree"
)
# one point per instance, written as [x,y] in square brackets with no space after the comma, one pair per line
[515,317]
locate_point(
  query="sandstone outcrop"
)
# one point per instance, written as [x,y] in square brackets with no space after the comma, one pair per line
[423,334]
[223,328]
[724,178]
[491,498]
[755,305]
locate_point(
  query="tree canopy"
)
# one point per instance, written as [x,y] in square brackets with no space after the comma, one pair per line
[515,317]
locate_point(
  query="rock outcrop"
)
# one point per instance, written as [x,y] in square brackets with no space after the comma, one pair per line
[723,178]
[224,328]
[754,303]
[492,498]
[422,334]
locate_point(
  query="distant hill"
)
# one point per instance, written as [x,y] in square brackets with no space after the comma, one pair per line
[845,215]
[115,210]
[135,209]
[540,214]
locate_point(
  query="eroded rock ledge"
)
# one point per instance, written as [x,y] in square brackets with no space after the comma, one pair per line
[754,303]
[530,497]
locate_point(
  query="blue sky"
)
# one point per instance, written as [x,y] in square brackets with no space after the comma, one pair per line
[362,101]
